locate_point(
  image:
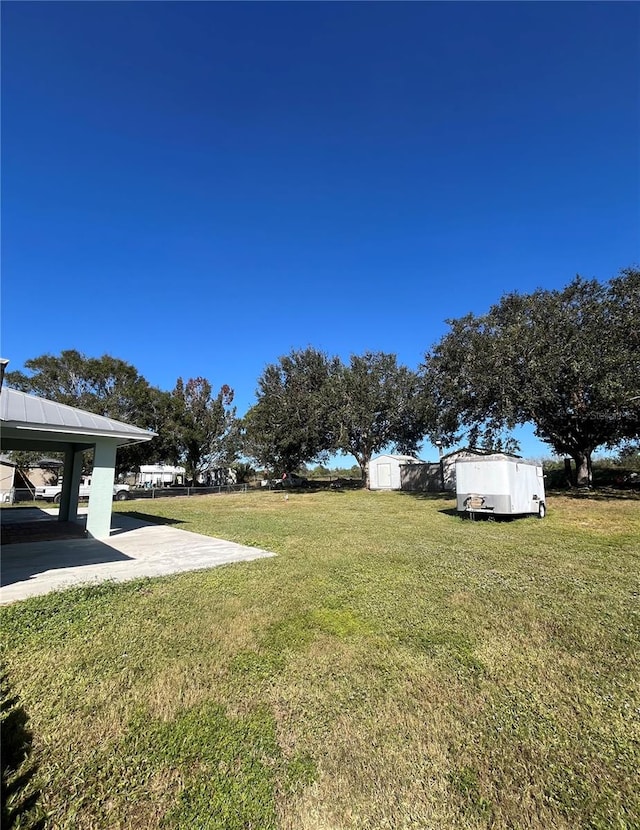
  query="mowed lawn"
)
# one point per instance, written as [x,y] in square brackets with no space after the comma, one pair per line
[393,667]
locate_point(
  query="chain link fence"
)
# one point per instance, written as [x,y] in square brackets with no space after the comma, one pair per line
[19,495]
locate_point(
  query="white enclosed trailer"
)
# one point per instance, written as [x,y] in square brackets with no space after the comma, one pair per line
[499,485]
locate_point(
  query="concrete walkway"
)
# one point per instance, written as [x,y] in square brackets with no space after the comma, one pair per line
[135,549]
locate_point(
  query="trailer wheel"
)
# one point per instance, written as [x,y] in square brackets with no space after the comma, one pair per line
[542,510]
[57,498]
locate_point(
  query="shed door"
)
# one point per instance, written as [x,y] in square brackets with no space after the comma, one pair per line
[384,476]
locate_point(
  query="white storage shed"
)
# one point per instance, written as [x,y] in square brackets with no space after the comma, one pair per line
[384,471]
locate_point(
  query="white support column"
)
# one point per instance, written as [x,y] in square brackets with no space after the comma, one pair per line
[101,493]
[70,485]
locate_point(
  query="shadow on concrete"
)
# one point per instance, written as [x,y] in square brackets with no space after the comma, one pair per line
[135,549]
[19,515]
[24,561]
[44,544]
[31,524]
[51,531]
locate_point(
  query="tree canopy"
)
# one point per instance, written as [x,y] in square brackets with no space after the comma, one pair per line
[567,361]
[105,386]
[291,422]
[375,407]
[204,427]
[310,405]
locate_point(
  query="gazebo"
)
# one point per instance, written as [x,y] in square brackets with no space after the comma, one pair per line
[31,423]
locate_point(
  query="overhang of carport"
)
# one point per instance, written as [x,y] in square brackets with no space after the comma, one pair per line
[30,423]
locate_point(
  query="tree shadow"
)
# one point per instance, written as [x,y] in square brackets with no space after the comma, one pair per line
[597,494]
[20,797]
[426,495]
[338,485]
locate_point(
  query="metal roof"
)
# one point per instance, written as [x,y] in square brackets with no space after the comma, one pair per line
[476,451]
[407,458]
[21,411]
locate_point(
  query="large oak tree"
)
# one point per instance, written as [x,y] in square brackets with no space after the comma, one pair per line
[310,405]
[376,407]
[105,386]
[205,426]
[291,423]
[567,361]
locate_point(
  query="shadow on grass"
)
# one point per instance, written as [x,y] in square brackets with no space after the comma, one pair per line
[20,798]
[424,495]
[483,517]
[492,518]
[597,494]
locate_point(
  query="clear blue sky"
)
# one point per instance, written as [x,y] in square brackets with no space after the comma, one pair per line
[198,188]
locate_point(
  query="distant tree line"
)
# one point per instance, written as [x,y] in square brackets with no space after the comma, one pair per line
[566,361]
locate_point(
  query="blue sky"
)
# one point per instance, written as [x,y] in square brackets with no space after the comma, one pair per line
[198,188]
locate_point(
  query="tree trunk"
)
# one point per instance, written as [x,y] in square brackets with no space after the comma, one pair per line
[363,463]
[583,465]
[568,473]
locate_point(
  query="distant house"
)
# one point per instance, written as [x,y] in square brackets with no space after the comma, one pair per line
[159,475]
[7,478]
[384,471]
[436,476]
[217,476]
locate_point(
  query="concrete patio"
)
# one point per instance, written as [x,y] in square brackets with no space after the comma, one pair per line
[136,548]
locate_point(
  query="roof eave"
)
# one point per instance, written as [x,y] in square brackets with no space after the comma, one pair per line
[59,432]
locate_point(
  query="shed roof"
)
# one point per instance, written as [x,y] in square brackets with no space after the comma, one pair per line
[402,458]
[495,456]
[23,412]
[475,451]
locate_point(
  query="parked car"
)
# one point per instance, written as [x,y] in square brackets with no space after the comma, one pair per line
[290,480]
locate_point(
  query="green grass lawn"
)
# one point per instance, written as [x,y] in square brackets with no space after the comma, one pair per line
[393,667]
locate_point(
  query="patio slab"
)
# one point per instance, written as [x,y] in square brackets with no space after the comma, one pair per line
[135,549]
